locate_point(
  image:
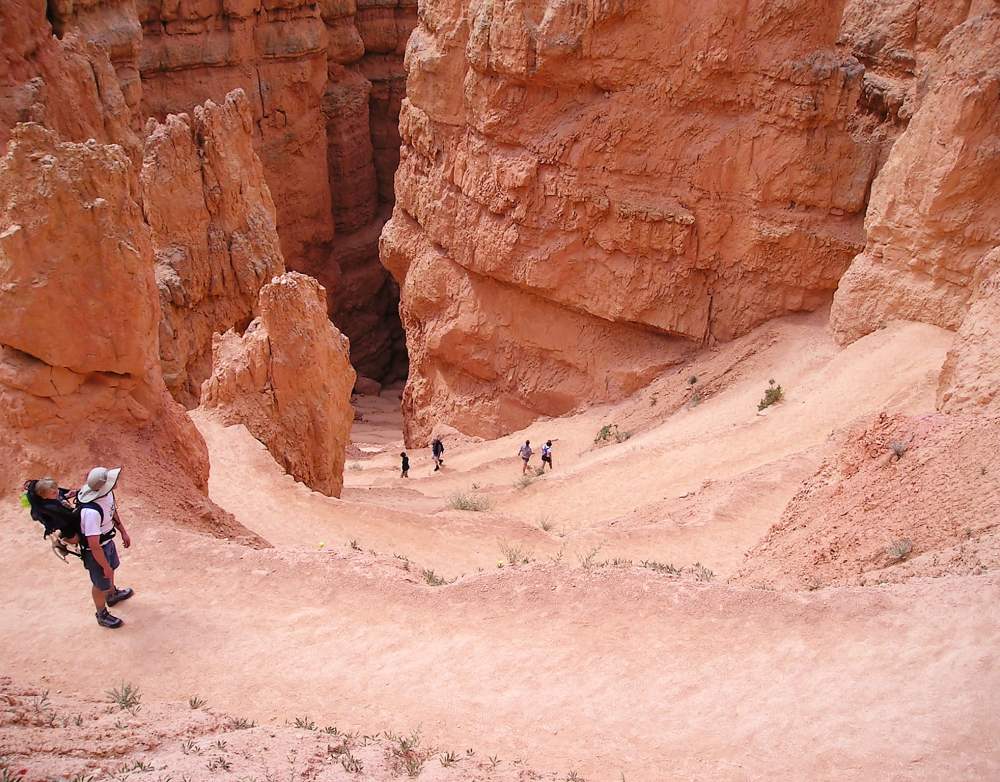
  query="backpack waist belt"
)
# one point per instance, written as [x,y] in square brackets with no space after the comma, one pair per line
[105,537]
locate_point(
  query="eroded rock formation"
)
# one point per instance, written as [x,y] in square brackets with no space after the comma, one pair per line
[288,379]
[365,89]
[114,26]
[80,380]
[681,171]
[68,86]
[213,231]
[275,52]
[896,42]
[935,206]
[324,82]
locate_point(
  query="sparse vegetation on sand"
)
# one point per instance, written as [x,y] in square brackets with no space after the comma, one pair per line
[470,502]
[660,567]
[899,550]
[589,559]
[772,395]
[127,697]
[529,478]
[898,448]
[610,433]
[433,579]
[514,554]
[405,755]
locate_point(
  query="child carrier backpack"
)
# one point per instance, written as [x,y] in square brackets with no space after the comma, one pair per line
[51,514]
[64,522]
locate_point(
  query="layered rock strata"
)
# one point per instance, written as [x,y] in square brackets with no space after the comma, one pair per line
[684,186]
[288,379]
[213,231]
[935,206]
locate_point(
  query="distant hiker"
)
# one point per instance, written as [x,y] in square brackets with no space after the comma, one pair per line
[437,451]
[405,467]
[547,454]
[99,522]
[525,453]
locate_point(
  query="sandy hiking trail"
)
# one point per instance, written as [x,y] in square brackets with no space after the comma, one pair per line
[700,485]
[613,671]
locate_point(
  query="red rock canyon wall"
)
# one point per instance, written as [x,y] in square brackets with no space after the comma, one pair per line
[677,171]
[80,379]
[935,206]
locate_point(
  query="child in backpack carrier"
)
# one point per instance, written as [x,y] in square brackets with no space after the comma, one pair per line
[53,506]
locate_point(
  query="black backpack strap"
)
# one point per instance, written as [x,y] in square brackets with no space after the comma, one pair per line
[105,536]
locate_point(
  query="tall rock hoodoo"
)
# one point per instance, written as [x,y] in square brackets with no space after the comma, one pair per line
[213,231]
[288,379]
[659,174]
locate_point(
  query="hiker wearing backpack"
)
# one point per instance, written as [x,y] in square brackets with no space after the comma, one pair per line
[99,522]
[437,451]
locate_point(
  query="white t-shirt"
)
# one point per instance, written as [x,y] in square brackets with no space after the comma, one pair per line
[90,520]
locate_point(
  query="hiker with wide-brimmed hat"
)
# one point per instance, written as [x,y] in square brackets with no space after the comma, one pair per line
[99,522]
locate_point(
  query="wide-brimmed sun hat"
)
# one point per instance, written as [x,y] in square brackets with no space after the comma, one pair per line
[100,481]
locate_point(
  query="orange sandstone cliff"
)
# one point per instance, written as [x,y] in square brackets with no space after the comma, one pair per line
[934,212]
[662,174]
[80,379]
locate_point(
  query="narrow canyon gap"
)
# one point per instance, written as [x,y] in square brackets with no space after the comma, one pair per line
[325,83]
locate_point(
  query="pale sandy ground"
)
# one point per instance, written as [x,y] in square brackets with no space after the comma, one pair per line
[609,671]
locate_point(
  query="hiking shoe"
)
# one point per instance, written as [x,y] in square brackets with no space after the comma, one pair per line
[118,595]
[105,619]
